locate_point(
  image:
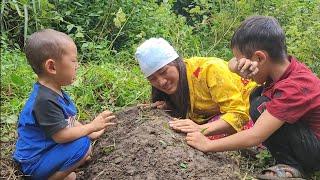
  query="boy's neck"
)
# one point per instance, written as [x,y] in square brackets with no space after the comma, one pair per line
[278,69]
[51,84]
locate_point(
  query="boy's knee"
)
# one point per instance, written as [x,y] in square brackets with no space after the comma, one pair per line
[87,157]
[81,143]
[84,143]
[257,103]
[80,147]
[79,151]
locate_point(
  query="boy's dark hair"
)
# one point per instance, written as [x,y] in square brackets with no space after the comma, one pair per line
[43,45]
[179,101]
[260,33]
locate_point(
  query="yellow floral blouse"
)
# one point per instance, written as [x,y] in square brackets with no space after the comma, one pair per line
[215,90]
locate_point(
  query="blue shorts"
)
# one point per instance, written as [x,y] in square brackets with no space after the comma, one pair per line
[60,158]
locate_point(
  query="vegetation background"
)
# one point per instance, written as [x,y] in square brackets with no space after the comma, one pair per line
[107,33]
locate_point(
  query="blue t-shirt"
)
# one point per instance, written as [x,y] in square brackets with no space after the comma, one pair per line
[45,113]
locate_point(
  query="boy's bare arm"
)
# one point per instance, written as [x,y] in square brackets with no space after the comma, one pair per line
[93,135]
[263,128]
[77,123]
[219,126]
[97,134]
[73,133]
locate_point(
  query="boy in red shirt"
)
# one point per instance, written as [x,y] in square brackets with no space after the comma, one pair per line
[286,108]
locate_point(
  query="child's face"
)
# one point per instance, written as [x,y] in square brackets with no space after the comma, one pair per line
[165,79]
[262,74]
[68,65]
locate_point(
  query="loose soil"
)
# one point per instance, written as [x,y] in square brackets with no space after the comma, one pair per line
[142,146]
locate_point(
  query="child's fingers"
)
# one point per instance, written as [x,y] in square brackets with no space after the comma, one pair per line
[246,66]
[254,65]
[241,63]
[109,118]
[109,124]
[245,74]
[106,113]
[253,73]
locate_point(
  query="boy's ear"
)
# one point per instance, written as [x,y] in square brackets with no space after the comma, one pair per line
[50,66]
[260,56]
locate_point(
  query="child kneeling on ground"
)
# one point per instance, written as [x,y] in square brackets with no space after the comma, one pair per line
[286,108]
[51,143]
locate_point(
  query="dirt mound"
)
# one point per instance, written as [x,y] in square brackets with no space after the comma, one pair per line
[142,146]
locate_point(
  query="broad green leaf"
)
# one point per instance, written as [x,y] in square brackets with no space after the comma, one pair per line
[69,27]
[120,18]
[79,35]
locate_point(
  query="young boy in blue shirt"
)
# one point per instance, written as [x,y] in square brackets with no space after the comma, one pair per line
[51,143]
[286,108]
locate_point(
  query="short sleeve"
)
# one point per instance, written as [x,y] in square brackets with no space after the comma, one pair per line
[49,116]
[288,103]
[225,92]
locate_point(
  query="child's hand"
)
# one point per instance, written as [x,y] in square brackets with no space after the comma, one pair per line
[102,121]
[247,68]
[233,65]
[198,141]
[96,134]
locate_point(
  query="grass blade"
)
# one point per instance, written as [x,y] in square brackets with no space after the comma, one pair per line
[17,7]
[39,7]
[35,13]
[25,22]
[1,15]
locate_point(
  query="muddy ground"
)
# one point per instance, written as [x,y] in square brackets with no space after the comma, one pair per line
[142,146]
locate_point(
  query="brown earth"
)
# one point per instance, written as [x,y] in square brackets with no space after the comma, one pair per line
[142,146]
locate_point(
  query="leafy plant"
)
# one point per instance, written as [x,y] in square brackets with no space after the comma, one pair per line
[264,157]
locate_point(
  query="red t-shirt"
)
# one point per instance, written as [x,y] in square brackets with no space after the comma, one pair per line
[296,96]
